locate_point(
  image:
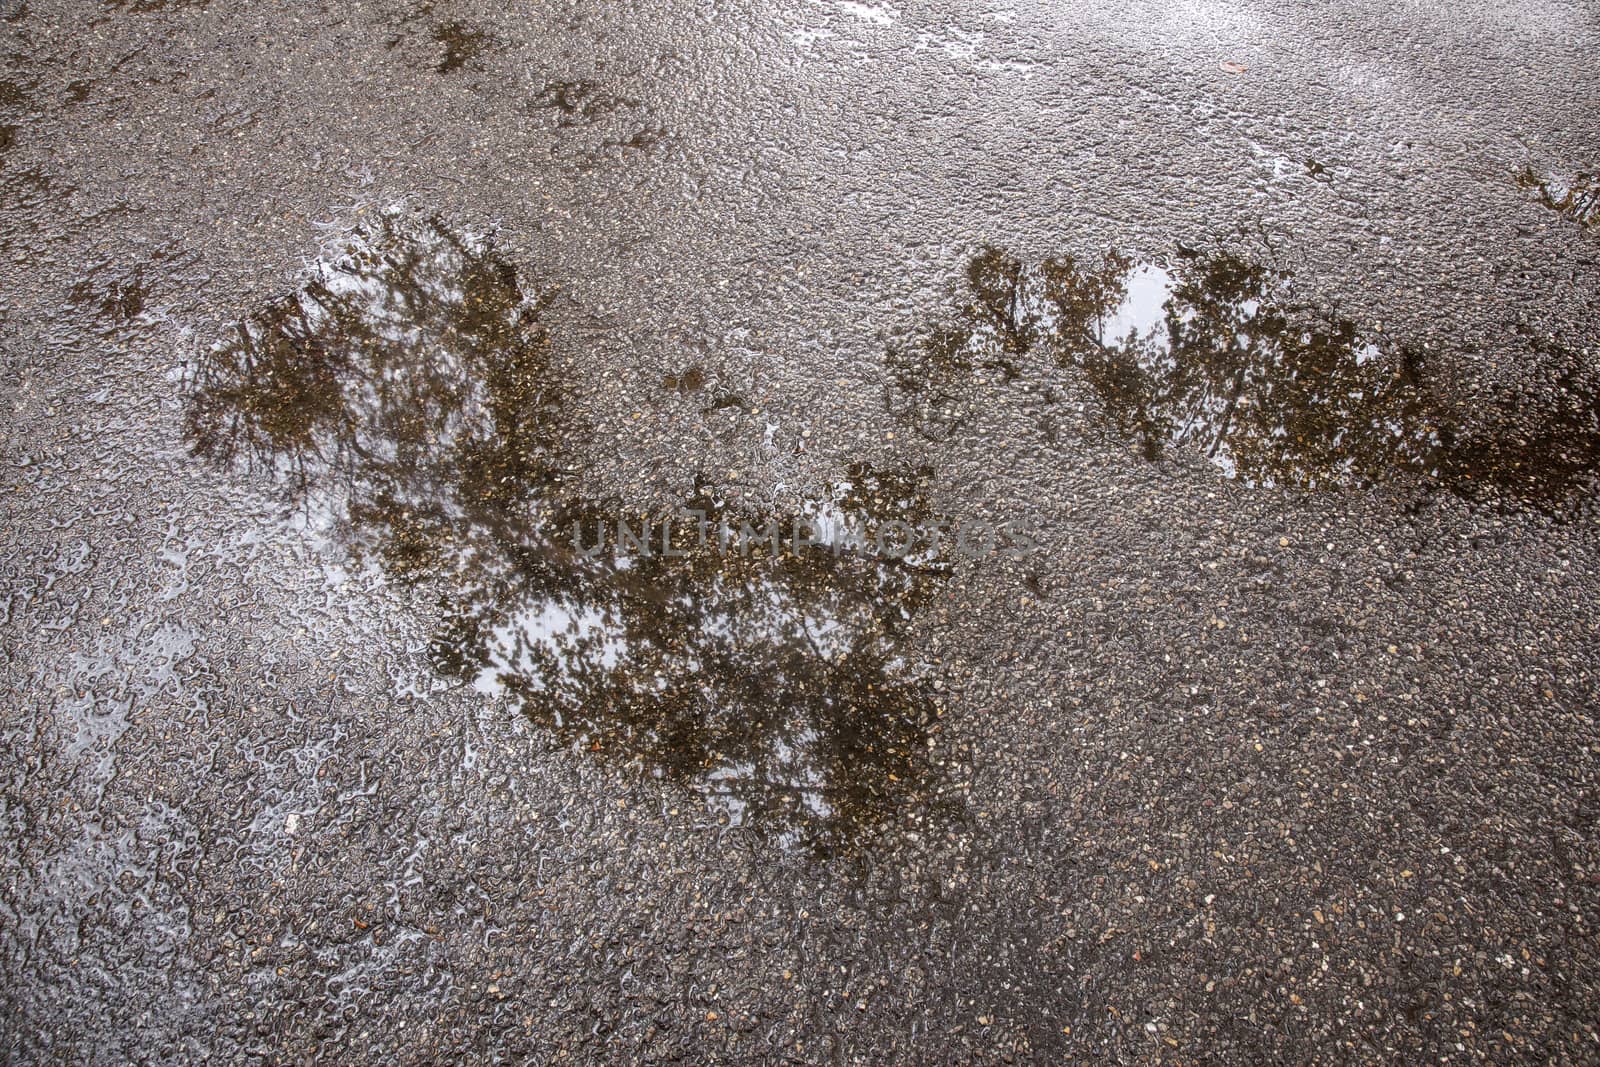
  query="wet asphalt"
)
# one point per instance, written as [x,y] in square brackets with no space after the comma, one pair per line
[1277,747]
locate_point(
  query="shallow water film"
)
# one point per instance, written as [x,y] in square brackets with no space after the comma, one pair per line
[406,392]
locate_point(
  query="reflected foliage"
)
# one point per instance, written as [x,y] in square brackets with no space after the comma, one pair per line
[1577,197]
[409,391]
[412,364]
[932,378]
[145,6]
[459,44]
[462,42]
[1218,355]
[774,678]
[1538,442]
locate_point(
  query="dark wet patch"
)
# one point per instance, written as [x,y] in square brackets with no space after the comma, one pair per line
[726,402]
[463,43]
[640,140]
[1216,353]
[78,91]
[603,125]
[13,106]
[410,394]
[578,103]
[1576,197]
[686,381]
[121,299]
[451,44]
[933,378]
[38,205]
[1538,443]
[120,293]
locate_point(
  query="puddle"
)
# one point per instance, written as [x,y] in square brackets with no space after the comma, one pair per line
[407,394]
[1218,355]
[773,679]
[457,44]
[462,43]
[1577,197]
[119,299]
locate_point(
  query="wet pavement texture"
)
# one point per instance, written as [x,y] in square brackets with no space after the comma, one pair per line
[371,696]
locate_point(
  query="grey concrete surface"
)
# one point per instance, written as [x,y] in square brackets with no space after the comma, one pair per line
[1234,770]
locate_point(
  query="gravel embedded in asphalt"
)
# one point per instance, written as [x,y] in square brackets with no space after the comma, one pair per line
[1230,769]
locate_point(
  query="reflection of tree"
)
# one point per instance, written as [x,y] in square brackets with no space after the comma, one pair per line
[932,378]
[772,677]
[412,380]
[1217,354]
[1084,302]
[1279,391]
[1539,441]
[412,363]
[1578,198]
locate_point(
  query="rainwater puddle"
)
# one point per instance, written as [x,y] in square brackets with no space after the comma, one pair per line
[449,44]
[1217,354]
[1576,196]
[407,392]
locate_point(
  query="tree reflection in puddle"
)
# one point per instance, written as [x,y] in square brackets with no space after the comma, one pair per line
[1577,197]
[409,390]
[1217,354]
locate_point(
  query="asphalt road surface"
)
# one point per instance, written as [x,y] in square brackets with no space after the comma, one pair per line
[823,532]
